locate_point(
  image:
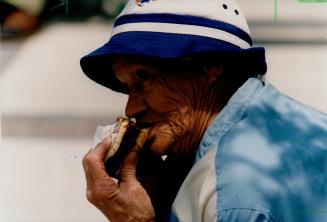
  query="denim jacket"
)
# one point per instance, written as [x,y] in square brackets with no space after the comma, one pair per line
[263,159]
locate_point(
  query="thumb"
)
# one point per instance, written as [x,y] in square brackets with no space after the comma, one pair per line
[128,168]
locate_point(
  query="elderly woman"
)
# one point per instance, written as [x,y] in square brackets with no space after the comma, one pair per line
[237,149]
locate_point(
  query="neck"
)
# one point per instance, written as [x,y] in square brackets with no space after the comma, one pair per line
[206,104]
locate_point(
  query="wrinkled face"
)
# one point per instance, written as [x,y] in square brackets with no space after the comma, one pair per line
[166,103]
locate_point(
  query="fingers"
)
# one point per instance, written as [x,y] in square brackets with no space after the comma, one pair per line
[95,173]
[103,148]
[127,201]
[93,161]
[128,169]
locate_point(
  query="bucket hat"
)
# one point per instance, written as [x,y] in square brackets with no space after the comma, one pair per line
[175,29]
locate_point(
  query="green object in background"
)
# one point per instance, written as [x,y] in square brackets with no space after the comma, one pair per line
[300,1]
[312,1]
[275,12]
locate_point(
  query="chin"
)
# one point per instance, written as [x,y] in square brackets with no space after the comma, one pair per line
[160,143]
[159,146]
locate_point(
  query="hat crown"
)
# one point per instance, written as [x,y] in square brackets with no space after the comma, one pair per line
[170,29]
[227,11]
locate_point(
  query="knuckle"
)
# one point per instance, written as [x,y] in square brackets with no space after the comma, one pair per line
[90,196]
[128,171]
[93,196]
[88,159]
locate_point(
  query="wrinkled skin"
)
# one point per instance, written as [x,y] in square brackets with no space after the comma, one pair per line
[126,201]
[178,109]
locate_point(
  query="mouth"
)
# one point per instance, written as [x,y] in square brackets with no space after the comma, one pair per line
[143,125]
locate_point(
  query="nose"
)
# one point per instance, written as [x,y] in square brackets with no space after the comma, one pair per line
[136,107]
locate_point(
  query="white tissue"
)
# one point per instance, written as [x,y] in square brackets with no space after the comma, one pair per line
[104,131]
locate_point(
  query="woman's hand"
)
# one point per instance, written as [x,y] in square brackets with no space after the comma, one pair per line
[125,201]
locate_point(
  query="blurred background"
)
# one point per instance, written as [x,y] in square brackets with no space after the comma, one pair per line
[49,109]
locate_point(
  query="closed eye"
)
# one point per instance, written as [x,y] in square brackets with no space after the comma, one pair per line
[137,87]
[126,88]
[143,75]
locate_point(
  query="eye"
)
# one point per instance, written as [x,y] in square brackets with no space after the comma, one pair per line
[143,74]
[125,87]
[137,87]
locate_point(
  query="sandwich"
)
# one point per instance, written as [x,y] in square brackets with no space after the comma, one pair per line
[129,137]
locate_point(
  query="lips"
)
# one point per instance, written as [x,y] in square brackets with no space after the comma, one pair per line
[142,125]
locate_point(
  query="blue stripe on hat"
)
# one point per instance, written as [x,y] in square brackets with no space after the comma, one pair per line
[148,42]
[184,19]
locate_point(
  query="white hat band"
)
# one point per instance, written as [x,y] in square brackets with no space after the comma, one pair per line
[182,29]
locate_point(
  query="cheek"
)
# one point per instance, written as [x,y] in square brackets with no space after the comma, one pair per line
[164,99]
[164,135]
[171,107]
[171,110]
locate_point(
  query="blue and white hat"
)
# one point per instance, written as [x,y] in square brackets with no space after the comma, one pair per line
[175,29]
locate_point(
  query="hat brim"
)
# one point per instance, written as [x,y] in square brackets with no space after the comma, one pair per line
[97,64]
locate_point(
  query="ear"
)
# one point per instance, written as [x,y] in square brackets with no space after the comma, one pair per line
[214,72]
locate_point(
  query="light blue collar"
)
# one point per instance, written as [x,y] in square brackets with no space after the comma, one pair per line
[231,114]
